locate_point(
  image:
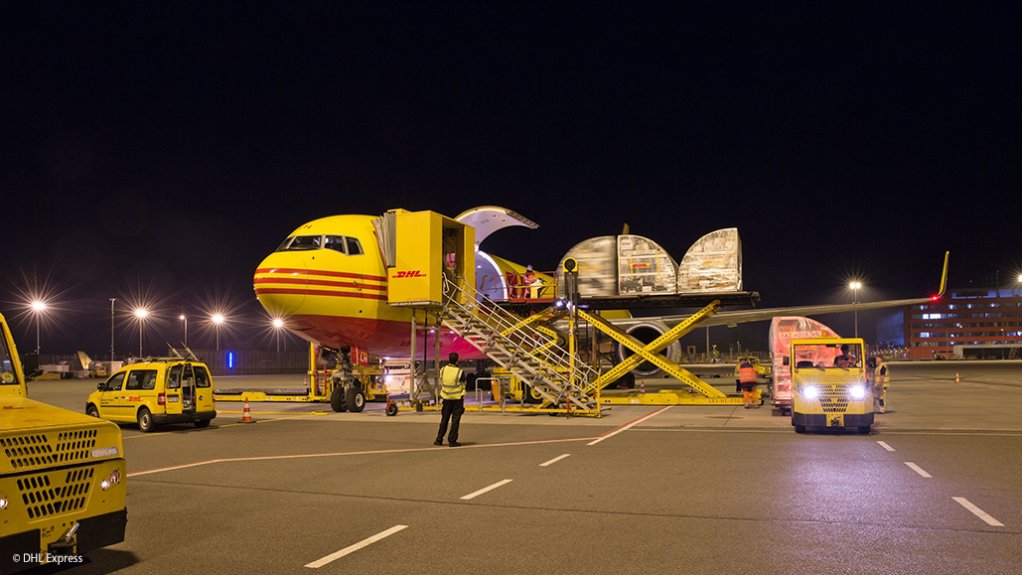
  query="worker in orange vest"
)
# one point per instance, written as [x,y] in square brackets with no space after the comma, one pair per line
[880,380]
[747,377]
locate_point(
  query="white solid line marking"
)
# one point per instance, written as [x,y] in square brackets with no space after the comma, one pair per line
[978,512]
[554,460]
[885,446]
[352,548]
[475,494]
[628,426]
[349,454]
[918,469]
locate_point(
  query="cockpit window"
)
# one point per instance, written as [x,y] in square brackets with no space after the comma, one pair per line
[342,244]
[335,243]
[299,243]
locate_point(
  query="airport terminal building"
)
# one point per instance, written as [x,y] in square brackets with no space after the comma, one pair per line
[968,323]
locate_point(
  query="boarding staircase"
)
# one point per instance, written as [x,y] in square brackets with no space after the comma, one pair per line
[522,346]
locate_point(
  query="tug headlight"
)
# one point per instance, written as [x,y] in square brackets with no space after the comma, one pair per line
[857,392]
[3,503]
[114,479]
[810,392]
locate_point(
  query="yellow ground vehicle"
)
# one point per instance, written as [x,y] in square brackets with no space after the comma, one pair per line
[763,370]
[829,384]
[62,476]
[155,392]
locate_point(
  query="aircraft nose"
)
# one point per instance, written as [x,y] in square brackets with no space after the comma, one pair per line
[280,283]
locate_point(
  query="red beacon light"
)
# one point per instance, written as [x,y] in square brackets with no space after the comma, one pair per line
[935,298]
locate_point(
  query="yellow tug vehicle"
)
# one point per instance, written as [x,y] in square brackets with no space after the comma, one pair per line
[830,390]
[62,476]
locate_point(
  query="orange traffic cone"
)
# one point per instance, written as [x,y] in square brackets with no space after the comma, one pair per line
[246,414]
[957,379]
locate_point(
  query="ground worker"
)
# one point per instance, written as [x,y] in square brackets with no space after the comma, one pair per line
[528,279]
[747,377]
[881,378]
[845,359]
[452,390]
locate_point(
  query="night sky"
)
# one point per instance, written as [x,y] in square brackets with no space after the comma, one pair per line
[159,150]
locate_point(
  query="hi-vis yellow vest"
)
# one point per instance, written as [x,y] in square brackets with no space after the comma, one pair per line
[451,386]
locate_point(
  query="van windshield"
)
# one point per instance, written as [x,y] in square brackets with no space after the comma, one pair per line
[7,376]
[846,355]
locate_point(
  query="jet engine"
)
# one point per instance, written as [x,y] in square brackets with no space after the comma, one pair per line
[646,332]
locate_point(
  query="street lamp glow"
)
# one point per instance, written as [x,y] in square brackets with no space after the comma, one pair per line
[855,286]
[218,319]
[278,324]
[184,318]
[38,308]
[141,314]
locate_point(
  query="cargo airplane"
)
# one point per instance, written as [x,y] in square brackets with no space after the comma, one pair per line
[328,280]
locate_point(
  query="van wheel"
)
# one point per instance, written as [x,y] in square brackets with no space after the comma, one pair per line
[355,400]
[200,423]
[145,420]
[337,400]
[91,411]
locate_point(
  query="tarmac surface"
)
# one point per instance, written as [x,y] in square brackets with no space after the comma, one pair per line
[936,488]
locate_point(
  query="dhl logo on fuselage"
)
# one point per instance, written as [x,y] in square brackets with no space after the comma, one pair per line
[409,274]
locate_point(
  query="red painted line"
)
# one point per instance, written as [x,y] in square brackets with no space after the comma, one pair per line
[320,292]
[327,273]
[328,283]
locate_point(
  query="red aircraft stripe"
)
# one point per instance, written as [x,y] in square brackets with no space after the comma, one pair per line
[320,292]
[327,283]
[321,273]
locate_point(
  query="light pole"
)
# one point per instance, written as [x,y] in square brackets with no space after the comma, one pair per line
[141,314]
[184,318]
[38,308]
[855,286]
[112,300]
[218,320]
[278,324]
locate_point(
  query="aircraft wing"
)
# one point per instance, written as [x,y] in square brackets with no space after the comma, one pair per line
[733,318]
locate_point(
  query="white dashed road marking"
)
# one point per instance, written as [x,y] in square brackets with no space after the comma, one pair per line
[978,512]
[475,494]
[352,548]
[554,460]
[918,469]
